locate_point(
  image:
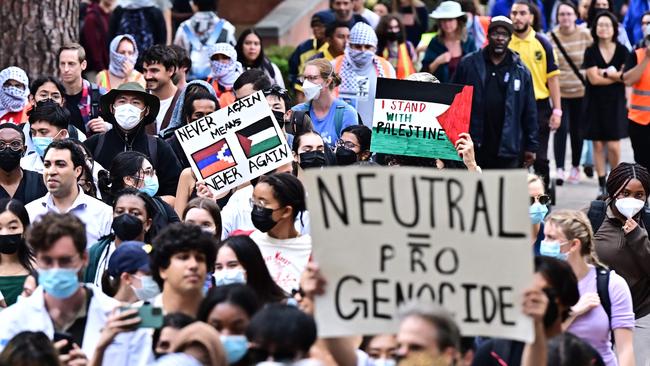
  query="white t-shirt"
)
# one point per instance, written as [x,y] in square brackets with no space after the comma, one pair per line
[286,259]
[164,106]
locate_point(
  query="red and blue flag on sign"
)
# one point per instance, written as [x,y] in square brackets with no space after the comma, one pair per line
[214,158]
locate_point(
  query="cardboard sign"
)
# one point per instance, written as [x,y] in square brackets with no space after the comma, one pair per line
[420,119]
[235,144]
[384,236]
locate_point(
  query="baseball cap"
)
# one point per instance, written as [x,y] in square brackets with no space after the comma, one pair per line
[129,257]
[501,21]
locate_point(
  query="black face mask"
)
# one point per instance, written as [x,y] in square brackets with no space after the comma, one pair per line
[393,36]
[9,159]
[9,243]
[345,156]
[127,227]
[312,159]
[262,219]
[279,116]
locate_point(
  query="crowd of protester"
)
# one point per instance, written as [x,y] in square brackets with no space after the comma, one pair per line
[112,252]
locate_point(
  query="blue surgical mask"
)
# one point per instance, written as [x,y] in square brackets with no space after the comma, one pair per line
[537,212]
[41,143]
[236,347]
[149,288]
[229,276]
[551,248]
[59,283]
[150,186]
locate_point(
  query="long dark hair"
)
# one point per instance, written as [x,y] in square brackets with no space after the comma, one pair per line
[149,206]
[25,255]
[592,11]
[262,62]
[237,294]
[382,32]
[124,164]
[258,276]
[612,17]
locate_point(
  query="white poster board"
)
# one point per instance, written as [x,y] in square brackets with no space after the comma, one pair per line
[235,144]
[383,236]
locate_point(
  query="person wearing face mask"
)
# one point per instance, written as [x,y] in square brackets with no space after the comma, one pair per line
[329,114]
[130,109]
[128,276]
[48,121]
[229,309]
[310,151]
[225,69]
[393,46]
[538,209]
[568,236]
[16,182]
[359,69]
[132,220]
[61,304]
[131,169]
[277,201]
[621,241]
[16,257]
[239,260]
[13,95]
[353,146]
[123,55]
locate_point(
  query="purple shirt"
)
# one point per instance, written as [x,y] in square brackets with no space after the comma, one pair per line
[593,327]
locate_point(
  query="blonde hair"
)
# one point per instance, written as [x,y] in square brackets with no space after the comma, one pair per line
[575,225]
[326,71]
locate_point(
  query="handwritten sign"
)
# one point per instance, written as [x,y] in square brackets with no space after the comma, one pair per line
[383,236]
[235,144]
[419,118]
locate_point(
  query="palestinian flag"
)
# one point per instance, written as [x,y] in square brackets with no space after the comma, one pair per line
[214,158]
[259,137]
[420,119]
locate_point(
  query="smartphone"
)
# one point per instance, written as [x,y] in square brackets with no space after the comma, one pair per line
[150,316]
[68,347]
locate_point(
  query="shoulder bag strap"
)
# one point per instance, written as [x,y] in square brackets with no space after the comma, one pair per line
[569,60]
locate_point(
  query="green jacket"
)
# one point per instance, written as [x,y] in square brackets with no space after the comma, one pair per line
[94,254]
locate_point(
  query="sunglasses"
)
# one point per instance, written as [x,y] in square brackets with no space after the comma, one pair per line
[544,199]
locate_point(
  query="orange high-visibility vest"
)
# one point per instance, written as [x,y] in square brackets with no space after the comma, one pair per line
[639,111]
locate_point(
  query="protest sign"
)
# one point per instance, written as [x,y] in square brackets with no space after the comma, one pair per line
[383,236]
[420,119]
[235,144]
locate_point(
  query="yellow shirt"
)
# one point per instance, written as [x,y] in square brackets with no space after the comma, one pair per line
[537,54]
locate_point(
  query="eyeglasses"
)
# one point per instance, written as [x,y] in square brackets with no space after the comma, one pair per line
[261,205]
[347,144]
[311,78]
[544,199]
[13,145]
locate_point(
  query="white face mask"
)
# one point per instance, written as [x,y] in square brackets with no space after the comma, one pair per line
[127,116]
[149,288]
[629,206]
[311,90]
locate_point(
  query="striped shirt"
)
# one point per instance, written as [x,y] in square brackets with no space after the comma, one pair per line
[575,45]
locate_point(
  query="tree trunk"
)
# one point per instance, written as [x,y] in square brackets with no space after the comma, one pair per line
[32,31]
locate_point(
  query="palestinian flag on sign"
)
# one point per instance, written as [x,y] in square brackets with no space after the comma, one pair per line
[259,137]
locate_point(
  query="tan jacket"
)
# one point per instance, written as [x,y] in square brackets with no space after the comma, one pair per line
[629,256]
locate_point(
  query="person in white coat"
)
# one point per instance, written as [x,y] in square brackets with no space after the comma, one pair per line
[62,307]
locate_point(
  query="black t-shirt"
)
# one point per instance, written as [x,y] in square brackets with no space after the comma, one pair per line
[72,105]
[496,84]
[30,188]
[593,57]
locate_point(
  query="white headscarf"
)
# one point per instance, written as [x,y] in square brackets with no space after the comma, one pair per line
[117,60]
[225,72]
[13,99]
[356,61]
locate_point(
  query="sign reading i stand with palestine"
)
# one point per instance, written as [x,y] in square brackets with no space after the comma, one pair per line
[420,119]
[235,144]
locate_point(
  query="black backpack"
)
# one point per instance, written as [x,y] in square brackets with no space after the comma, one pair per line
[136,23]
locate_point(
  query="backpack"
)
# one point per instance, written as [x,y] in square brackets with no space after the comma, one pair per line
[602,287]
[152,144]
[200,51]
[137,24]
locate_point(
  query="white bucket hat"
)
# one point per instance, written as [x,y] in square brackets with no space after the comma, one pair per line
[447,10]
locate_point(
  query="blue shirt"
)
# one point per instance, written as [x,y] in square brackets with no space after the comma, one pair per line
[326,126]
